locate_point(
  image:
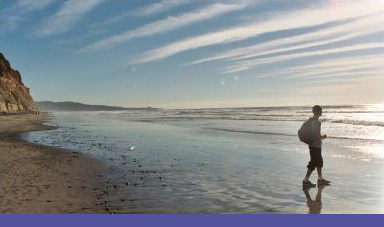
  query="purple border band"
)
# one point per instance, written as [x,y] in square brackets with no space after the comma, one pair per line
[190,220]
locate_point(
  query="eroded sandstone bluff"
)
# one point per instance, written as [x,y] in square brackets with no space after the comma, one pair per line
[15,96]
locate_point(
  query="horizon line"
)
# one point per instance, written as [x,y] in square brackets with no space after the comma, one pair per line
[234,107]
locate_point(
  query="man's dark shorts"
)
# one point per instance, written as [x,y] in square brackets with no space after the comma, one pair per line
[316,158]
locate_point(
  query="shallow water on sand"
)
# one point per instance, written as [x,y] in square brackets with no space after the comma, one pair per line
[190,167]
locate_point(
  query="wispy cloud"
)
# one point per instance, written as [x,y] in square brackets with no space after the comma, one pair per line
[154,8]
[342,78]
[335,65]
[244,65]
[346,70]
[342,32]
[31,5]
[112,20]
[17,12]
[158,7]
[69,14]
[327,69]
[297,19]
[165,25]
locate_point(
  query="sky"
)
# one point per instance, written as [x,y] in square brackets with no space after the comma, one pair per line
[197,54]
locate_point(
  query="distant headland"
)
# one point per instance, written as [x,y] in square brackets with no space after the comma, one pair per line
[49,106]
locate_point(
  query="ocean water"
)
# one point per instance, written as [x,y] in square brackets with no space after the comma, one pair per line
[233,160]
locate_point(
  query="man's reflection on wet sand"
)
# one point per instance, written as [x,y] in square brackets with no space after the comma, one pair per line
[314,205]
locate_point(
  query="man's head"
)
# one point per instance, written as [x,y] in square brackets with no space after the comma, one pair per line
[317,110]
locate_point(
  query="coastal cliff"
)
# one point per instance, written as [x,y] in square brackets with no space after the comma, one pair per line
[15,96]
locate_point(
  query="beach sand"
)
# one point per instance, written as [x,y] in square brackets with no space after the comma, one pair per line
[40,179]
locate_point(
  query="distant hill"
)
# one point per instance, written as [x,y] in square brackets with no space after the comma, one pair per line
[48,106]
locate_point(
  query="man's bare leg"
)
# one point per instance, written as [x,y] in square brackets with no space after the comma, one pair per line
[319,173]
[309,172]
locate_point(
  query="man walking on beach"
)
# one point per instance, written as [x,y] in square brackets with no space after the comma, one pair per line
[315,150]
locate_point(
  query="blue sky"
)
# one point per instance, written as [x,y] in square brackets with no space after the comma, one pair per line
[191,54]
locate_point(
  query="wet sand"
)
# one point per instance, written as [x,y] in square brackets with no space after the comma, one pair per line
[40,179]
[178,167]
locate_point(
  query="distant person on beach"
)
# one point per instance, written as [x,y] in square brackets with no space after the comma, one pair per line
[316,160]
